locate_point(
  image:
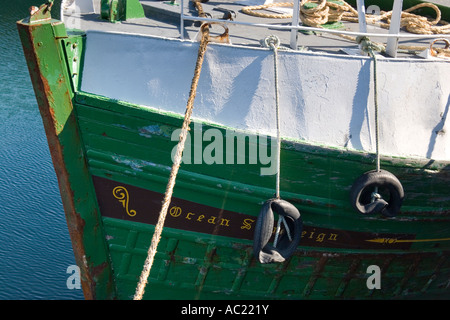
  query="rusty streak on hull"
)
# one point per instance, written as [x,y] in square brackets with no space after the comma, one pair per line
[35,39]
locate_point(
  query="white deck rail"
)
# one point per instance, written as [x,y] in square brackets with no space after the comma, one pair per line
[394,33]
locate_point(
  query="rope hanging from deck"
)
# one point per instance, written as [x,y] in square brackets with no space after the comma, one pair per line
[326,11]
[273,43]
[371,47]
[176,165]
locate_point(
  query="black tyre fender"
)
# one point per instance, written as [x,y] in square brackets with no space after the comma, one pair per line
[265,252]
[366,183]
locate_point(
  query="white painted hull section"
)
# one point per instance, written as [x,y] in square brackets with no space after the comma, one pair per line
[325,99]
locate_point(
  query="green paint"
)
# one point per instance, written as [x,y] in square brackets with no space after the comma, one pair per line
[73,49]
[121,10]
[50,78]
[130,144]
[316,179]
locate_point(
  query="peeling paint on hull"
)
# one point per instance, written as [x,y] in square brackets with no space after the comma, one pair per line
[99,144]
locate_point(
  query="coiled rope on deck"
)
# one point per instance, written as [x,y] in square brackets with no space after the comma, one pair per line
[176,165]
[252,10]
[315,13]
[411,22]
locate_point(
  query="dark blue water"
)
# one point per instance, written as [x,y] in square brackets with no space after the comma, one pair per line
[35,248]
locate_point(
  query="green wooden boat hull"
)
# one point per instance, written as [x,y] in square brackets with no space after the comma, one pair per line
[113,161]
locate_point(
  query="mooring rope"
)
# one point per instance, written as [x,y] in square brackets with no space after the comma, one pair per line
[176,165]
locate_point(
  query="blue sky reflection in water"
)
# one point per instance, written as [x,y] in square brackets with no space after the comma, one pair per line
[35,248]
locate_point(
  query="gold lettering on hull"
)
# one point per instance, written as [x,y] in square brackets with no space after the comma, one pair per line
[116,199]
[393,240]
[244,224]
[176,212]
[247,224]
[319,237]
[121,194]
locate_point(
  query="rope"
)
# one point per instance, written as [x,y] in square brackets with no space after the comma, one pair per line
[251,10]
[375,98]
[198,6]
[325,11]
[273,42]
[369,47]
[281,219]
[413,23]
[440,52]
[176,165]
[332,12]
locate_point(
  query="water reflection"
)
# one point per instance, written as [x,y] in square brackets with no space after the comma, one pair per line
[35,248]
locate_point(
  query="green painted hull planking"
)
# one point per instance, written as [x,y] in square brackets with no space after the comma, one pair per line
[113,161]
[121,10]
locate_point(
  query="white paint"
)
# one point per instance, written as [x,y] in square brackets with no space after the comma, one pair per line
[361,8]
[324,98]
[80,6]
[392,43]
[71,11]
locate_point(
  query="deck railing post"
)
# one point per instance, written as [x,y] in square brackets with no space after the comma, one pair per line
[182,19]
[361,15]
[361,8]
[295,22]
[392,43]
